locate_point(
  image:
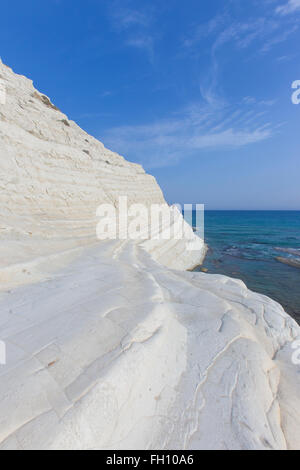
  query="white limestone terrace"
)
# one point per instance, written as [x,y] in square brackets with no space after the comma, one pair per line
[112,345]
[53,176]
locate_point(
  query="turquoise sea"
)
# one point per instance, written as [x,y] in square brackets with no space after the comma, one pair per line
[255,246]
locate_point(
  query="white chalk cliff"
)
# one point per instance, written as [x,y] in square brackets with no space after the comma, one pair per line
[111,344]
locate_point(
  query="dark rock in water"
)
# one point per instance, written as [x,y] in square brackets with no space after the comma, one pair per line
[291,251]
[291,262]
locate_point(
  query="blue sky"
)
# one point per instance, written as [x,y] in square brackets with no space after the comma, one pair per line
[198,92]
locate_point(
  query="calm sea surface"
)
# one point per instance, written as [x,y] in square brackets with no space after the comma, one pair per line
[254,246]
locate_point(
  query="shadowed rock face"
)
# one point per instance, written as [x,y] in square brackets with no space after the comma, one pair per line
[107,348]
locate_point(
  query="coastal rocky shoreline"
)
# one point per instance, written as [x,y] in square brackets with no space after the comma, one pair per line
[291,262]
[115,344]
[293,258]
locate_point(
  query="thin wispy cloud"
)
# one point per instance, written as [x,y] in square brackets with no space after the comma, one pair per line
[216,121]
[285,58]
[222,31]
[134,25]
[266,32]
[191,131]
[106,93]
[279,39]
[290,7]
[213,123]
[205,29]
[142,41]
[125,18]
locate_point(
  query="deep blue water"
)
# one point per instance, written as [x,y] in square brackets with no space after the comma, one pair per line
[245,245]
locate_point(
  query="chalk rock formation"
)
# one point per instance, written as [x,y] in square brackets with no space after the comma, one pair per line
[108,346]
[54,176]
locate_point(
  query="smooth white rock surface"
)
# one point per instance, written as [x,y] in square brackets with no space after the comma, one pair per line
[109,346]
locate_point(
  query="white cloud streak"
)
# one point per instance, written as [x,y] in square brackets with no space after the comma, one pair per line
[214,125]
[290,7]
[198,129]
[135,27]
[266,32]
